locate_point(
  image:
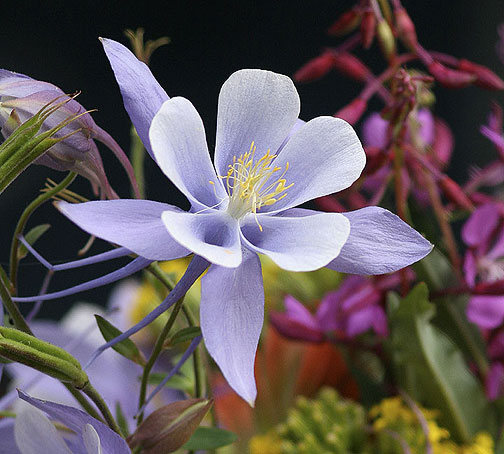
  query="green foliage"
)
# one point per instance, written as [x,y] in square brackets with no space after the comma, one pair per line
[126,348]
[432,369]
[209,438]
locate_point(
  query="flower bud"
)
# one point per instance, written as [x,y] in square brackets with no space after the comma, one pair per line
[76,152]
[23,348]
[485,78]
[406,29]
[368,28]
[353,111]
[347,22]
[350,66]
[169,427]
[315,68]
[450,78]
[454,193]
[386,39]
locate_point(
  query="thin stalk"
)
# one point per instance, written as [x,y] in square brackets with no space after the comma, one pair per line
[91,392]
[158,347]
[24,219]
[137,161]
[10,306]
[446,231]
[84,403]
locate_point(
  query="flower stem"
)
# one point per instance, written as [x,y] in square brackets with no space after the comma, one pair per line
[137,161]
[12,308]
[91,392]
[158,347]
[24,219]
[83,402]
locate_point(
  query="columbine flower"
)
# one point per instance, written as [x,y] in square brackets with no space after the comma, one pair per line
[245,206]
[21,97]
[34,433]
[483,233]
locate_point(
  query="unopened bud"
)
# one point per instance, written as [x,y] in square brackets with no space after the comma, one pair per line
[347,22]
[386,39]
[352,112]
[368,28]
[450,78]
[351,66]
[168,428]
[485,78]
[406,28]
[315,68]
[454,193]
[49,359]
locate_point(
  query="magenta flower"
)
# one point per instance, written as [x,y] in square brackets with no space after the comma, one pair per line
[483,233]
[21,97]
[352,309]
[244,206]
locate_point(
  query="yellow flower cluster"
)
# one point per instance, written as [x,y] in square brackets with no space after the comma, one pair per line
[393,421]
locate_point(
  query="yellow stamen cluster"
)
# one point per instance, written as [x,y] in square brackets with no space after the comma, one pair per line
[248,183]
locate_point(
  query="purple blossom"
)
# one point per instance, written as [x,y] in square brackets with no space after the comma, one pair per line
[245,205]
[483,233]
[347,312]
[34,433]
[21,97]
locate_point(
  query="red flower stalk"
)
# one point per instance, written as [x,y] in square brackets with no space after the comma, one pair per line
[450,78]
[353,111]
[315,68]
[368,28]
[347,22]
[485,78]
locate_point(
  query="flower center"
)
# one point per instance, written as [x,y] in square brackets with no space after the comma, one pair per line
[250,186]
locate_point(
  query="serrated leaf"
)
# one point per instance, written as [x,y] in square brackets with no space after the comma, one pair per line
[209,438]
[126,348]
[431,368]
[31,237]
[184,335]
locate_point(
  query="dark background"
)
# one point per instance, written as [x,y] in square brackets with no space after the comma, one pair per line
[57,41]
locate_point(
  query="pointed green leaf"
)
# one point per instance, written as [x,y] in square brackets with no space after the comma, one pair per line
[431,368]
[31,237]
[184,335]
[209,438]
[126,348]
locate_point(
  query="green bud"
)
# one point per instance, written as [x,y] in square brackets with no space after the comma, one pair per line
[169,427]
[47,358]
[386,39]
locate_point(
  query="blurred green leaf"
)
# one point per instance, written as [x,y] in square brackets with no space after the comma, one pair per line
[431,368]
[209,438]
[126,348]
[31,237]
[184,335]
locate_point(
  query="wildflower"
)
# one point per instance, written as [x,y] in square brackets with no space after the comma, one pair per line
[245,206]
[483,233]
[21,97]
[34,432]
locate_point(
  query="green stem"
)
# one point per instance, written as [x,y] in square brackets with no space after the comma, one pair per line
[84,403]
[137,161]
[24,219]
[10,306]
[91,392]
[155,354]
[7,414]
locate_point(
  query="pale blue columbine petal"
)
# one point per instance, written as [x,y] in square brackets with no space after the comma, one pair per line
[18,85]
[179,144]
[76,420]
[134,224]
[324,156]
[379,242]
[297,243]
[212,234]
[232,314]
[8,443]
[141,92]
[91,440]
[254,106]
[35,434]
